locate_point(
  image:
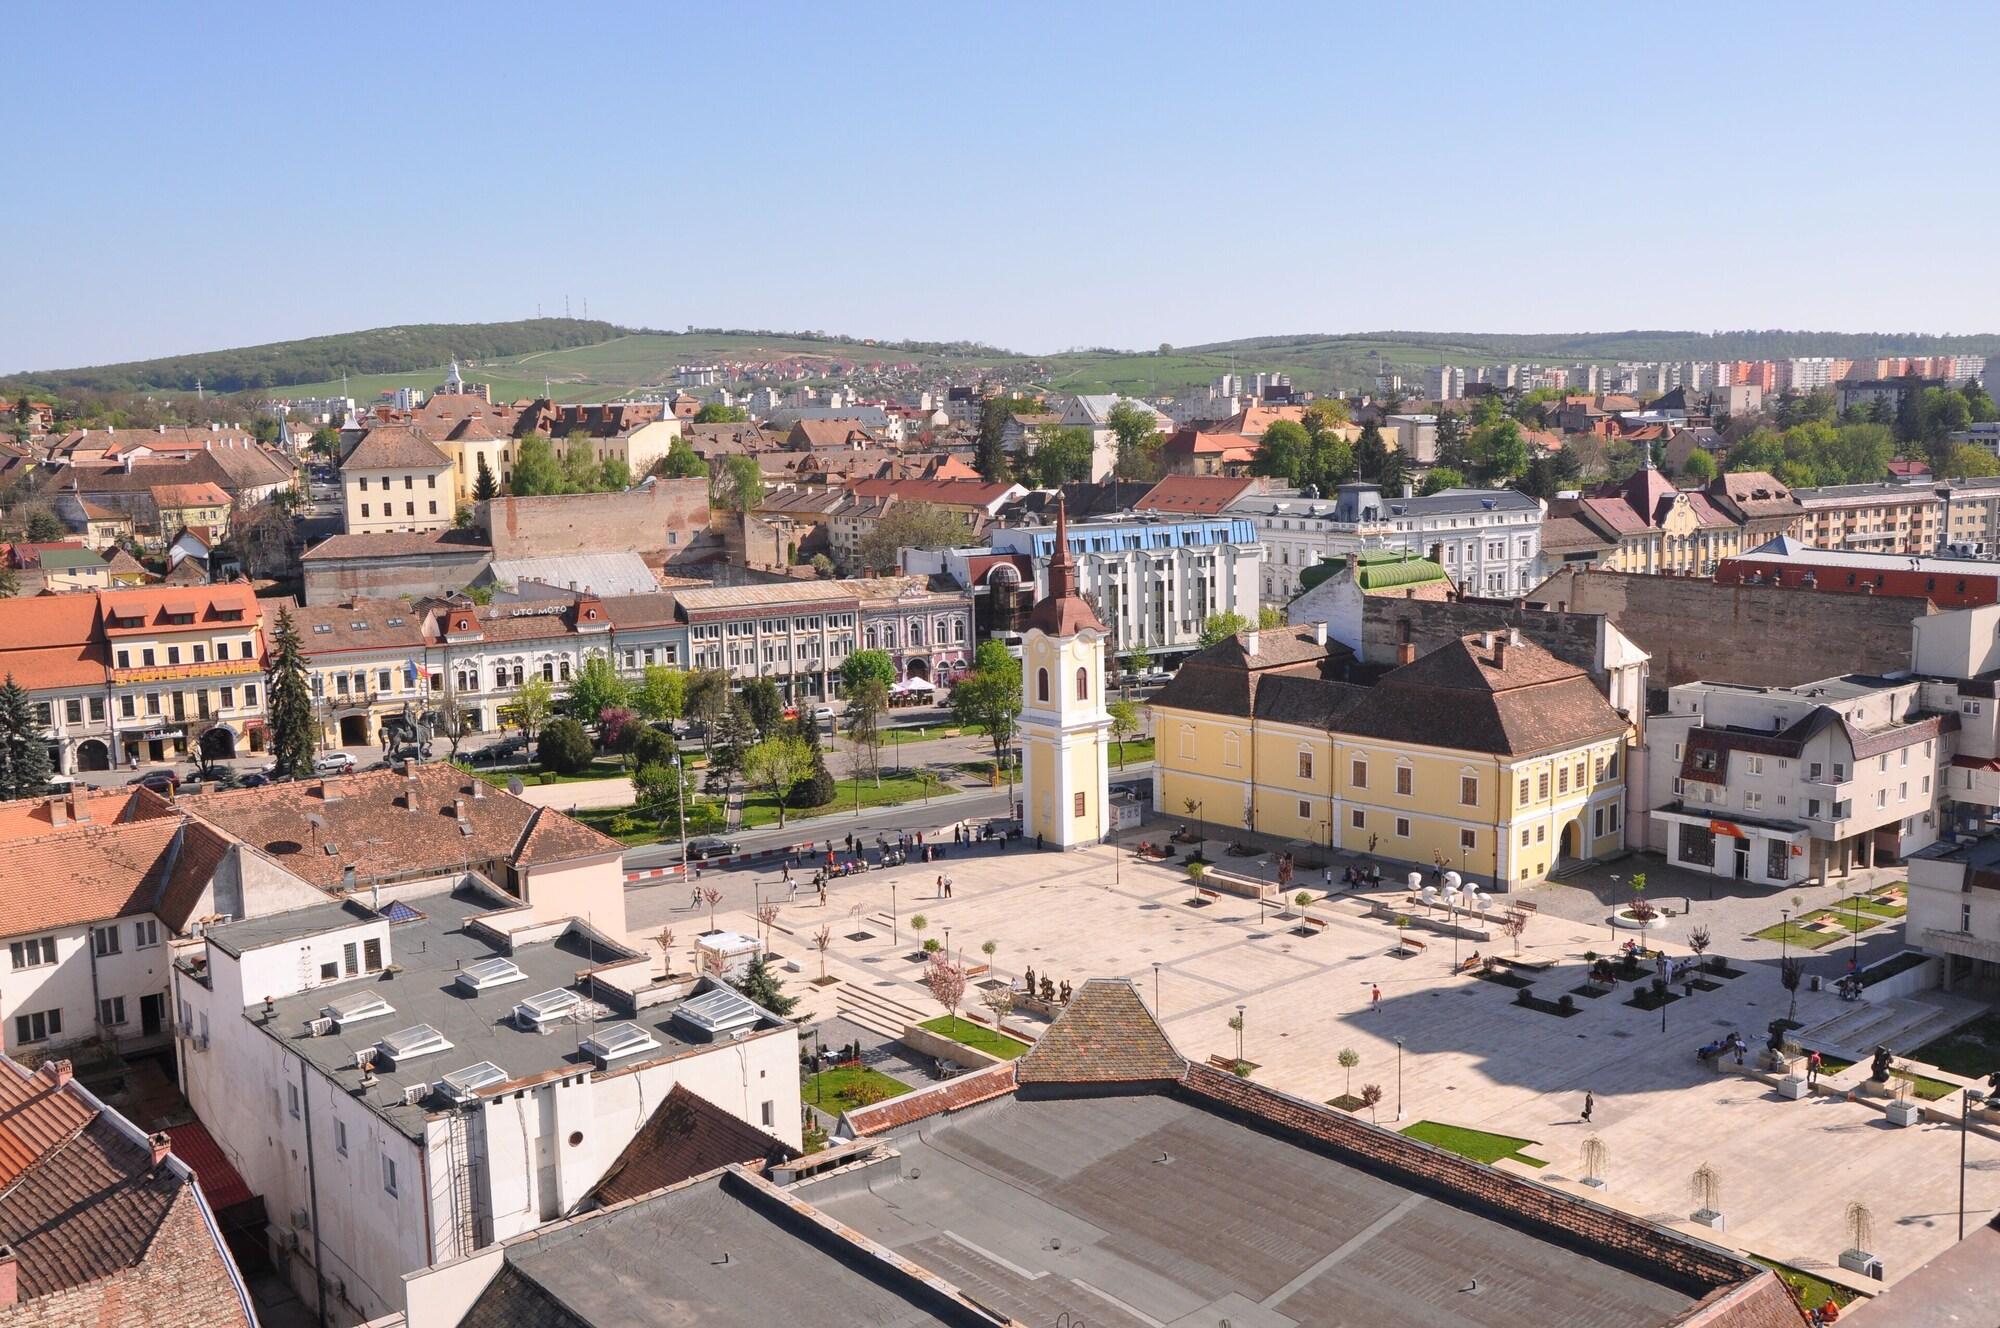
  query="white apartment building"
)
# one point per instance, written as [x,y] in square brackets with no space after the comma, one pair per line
[394,477]
[1093,412]
[1777,784]
[1808,374]
[1488,539]
[409,1075]
[1154,580]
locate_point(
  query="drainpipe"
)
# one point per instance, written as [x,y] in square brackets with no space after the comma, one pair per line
[312,1198]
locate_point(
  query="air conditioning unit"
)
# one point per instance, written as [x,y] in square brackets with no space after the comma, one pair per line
[415,1093]
[301,1219]
[319,1027]
[201,1042]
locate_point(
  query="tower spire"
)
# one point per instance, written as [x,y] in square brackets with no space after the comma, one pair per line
[1062,568]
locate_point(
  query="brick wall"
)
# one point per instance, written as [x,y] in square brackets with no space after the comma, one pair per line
[1571,637]
[1767,636]
[657,523]
[337,580]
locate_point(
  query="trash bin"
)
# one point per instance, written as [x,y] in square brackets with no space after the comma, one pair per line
[1814,983]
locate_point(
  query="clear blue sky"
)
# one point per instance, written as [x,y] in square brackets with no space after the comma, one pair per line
[189,178]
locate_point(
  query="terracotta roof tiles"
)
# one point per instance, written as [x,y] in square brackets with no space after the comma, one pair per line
[1104,1035]
[686,1136]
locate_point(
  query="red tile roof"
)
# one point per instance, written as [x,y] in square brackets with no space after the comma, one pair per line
[221,1183]
[1199,495]
[1104,1035]
[686,1136]
[107,871]
[938,1099]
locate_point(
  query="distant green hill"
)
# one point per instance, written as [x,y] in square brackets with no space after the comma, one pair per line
[323,359]
[579,360]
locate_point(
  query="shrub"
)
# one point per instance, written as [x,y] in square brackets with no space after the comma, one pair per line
[1565,1002]
[565,749]
[1521,996]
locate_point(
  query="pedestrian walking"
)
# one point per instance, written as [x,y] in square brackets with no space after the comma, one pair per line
[1326,878]
[694,897]
[822,894]
[1812,1070]
[947,887]
[1589,1105]
[1375,996]
[791,889]
[940,887]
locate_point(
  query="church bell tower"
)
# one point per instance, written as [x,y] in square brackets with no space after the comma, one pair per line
[1065,732]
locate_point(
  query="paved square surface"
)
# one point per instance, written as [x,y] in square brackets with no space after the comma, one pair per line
[1469,1055]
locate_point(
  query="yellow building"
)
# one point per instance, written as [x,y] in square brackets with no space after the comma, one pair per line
[394,478]
[1647,525]
[1065,732]
[1489,754]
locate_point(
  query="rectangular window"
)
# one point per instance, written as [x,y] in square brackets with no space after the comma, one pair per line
[73,711]
[97,709]
[124,659]
[292,1100]
[34,952]
[37,1027]
[389,1174]
[104,940]
[1523,797]
[250,694]
[1562,774]
[1305,810]
[1358,819]
[1468,791]
[1079,804]
[350,955]
[1524,837]
[1542,786]
[364,506]
[1359,774]
[1405,780]
[1468,839]
[767,1113]
[1305,765]
[1541,834]
[340,1137]
[371,955]
[329,972]
[145,934]
[1402,827]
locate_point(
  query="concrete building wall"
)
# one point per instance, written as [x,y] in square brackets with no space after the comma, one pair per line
[657,523]
[335,581]
[1769,636]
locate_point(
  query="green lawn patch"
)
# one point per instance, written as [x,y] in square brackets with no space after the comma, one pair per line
[534,775]
[1973,1051]
[1812,1292]
[1868,904]
[759,809]
[847,1086]
[1136,751]
[1922,1086]
[631,827]
[1794,934]
[977,1036]
[1478,1145]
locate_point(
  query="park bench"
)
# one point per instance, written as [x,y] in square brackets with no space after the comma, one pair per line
[1222,1063]
[1202,892]
[1317,924]
[1410,943]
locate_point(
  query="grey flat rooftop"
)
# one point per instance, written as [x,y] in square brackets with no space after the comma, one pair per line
[662,1260]
[235,938]
[1137,1212]
[430,954]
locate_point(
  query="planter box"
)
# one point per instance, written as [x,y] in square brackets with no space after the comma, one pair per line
[1792,1086]
[939,1046]
[1862,1262]
[1706,1217]
[1906,983]
[1595,1183]
[1905,1111]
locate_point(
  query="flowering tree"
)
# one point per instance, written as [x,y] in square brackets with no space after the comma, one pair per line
[946,982]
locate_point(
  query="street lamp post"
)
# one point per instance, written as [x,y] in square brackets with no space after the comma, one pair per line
[680,804]
[1785,935]
[1614,912]
[1239,1036]
[1156,989]
[1399,1078]
[1964,1116]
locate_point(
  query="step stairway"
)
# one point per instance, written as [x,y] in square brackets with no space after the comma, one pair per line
[875,1011]
[1901,1023]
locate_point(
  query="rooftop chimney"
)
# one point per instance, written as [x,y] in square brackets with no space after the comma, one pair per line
[1437,554]
[409,767]
[57,1072]
[1250,644]
[79,805]
[58,813]
[1353,562]
[162,1145]
[1499,653]
[1319,633]
[1486,640]
[1406,652]
[10,1277]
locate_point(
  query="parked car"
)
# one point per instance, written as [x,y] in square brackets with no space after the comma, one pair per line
[822,712]
[160,781]
[255,779]
[503,749]
[701,850]
[333,763]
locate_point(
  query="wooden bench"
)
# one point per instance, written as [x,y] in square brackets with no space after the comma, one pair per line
[1317,924]
[1409,943]
[1527,906]
[1202,892]
[1222,1063]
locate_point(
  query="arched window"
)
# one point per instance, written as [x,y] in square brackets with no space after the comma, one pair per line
[1082,684]
[1041,684]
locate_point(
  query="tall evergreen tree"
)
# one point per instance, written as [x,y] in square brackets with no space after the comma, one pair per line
[291,703]
[816,789]
[484,486]
[24,752]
